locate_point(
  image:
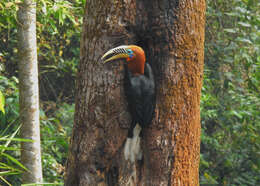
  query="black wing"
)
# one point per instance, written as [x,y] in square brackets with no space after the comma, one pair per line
[140,95]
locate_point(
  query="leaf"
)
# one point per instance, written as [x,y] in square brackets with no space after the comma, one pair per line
[6,168]
[244,40]
[233,112]
[16,139]
[241,10]
[9,4]
[9,148]
[2,102]
[44,8]
[14,160]
[230,30]
[5,173]
[244,24]
[5,181]
[232,14]
[10,139]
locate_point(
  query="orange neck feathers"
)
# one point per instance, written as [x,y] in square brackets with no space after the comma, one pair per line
[136,63]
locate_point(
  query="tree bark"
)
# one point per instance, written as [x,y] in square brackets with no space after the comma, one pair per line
[29,93]
[171,32]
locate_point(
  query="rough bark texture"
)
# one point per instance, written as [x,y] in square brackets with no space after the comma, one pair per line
[172,34]
[29,93]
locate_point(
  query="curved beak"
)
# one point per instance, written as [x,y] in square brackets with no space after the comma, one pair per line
[115,53]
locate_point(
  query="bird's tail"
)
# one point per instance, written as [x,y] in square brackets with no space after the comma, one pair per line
[132,149]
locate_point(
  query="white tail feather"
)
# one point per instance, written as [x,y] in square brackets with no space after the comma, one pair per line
[132,149]
[127,148]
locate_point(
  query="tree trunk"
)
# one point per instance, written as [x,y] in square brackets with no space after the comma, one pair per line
[29,94]
[171,32]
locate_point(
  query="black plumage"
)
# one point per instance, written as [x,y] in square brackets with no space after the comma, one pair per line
[140,95]
[139,86]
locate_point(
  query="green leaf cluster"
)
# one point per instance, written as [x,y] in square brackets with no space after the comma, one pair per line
[10,165]
[56,131]
[230,102]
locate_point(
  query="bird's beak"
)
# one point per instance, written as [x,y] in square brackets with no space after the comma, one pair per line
[115,53]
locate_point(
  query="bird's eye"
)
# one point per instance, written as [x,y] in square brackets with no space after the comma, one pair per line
[130,53]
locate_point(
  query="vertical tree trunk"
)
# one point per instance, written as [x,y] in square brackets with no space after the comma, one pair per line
[172,34]
[29,94]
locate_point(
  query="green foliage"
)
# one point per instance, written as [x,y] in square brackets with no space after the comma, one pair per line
[58,32]
[10,165]
[58,35]
[230,96]
[55,132]
[8,31]
[9,88]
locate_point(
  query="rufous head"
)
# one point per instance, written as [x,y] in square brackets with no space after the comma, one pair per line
[134,55]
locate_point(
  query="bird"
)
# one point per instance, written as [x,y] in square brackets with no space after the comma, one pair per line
[139,88]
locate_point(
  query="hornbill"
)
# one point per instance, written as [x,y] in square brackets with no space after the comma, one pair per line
[139,87]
